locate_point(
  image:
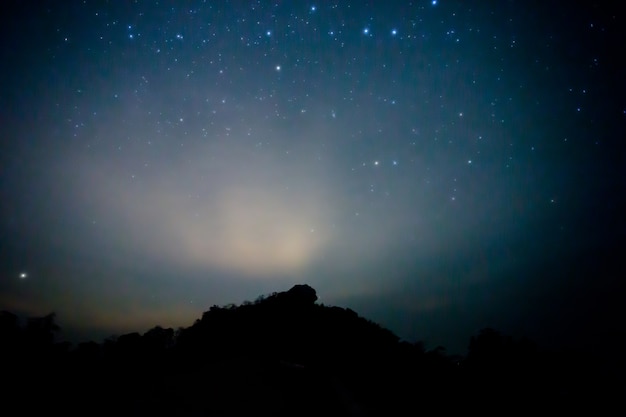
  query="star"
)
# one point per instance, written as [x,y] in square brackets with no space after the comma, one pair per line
[195,152]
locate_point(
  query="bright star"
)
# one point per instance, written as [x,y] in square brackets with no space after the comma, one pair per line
[394,32]
[366,31]
[277,67]
[23,275]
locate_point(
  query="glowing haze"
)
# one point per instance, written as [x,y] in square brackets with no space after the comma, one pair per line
[218,206]
[437,166]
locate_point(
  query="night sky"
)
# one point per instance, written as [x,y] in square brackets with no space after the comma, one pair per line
[438,166]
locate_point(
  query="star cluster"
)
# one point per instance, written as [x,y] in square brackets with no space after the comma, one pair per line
[162,157]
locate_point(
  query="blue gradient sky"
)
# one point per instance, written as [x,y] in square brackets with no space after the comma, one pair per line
[439,168]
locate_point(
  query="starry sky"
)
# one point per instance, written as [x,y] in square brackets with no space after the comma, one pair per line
[438,166]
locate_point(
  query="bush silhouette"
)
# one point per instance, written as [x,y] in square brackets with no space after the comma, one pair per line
[284,354]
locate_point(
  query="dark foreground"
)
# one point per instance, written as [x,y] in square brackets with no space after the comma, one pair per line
[286,355]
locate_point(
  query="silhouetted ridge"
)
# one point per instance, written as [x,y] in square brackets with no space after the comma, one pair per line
[298,295]
[283,355]
[287,326]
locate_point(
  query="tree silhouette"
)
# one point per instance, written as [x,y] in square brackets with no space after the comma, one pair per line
[42,330]
[284,354]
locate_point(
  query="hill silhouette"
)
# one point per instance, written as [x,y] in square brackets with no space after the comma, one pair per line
[285,354]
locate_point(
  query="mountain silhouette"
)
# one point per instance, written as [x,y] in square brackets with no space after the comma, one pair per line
[285,354]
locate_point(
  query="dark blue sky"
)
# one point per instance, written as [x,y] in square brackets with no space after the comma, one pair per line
[437,166]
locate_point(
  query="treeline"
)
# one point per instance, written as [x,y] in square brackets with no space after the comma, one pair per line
[284,354]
